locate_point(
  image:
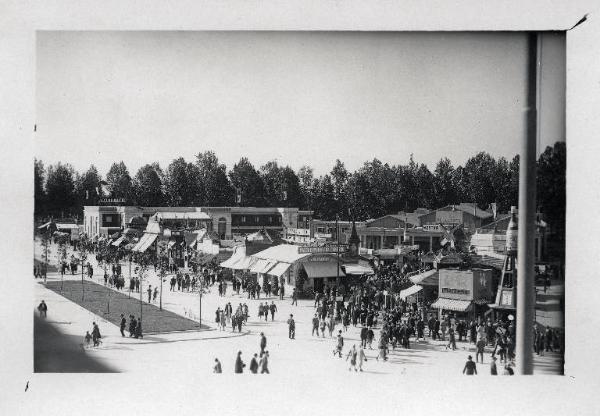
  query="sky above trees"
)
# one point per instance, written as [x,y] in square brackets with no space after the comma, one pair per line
[294,97]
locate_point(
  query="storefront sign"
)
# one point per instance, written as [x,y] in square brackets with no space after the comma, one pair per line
[321,258]
[327,248]
[455,291]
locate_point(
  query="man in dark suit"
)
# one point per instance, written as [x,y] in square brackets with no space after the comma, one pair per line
[123,323]
[263,343]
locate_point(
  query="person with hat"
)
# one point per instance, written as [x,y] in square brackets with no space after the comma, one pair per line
[239,364]
[470,367]
[340,345]
[291,327]
[493,368]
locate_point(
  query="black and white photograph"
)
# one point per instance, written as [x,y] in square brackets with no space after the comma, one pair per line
[379,208]
[348,197]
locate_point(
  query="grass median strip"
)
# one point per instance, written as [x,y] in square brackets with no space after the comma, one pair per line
[97,297]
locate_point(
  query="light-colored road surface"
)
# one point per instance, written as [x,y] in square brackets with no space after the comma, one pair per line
[194,352]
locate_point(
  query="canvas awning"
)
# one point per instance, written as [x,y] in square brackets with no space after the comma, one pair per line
[45,225]
[118,241]
[145,242]
[428,278]
[279,269]
[190,239]
[386,253]
[262,266]
[243,264]
[410,291]
[357,269]
[318,269]
[452,304]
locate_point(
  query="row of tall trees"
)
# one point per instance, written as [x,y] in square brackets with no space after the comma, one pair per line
[375,189]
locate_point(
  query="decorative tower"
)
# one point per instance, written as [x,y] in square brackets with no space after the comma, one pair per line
[506,297]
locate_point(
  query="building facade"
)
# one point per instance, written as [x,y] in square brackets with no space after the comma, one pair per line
[227,222]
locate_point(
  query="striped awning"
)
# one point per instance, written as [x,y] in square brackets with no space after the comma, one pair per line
[452,304]
[410,291]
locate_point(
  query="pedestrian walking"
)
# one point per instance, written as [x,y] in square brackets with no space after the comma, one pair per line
[273,309]
[315,325]
[493,368]
[352,355]
[452,340]
[43,309]
[363,336]
[263,343]
[480,347]
[470,367]
[254,365]
[294,297]
[132,325]
[291,327]
[96,334]
[362,357]
[239,364]
[264,363]
[217,368]
[149,292]
[123,323]
[155,294]
[138,329]
[339,345]
[87,339]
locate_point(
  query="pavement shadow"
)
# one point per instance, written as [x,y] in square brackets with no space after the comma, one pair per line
[56,352]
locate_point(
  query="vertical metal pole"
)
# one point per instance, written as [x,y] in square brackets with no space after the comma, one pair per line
[527,208]
[337,238]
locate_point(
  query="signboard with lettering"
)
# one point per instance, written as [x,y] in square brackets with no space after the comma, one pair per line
[507,298]
[322,258]
[327,248]
[456,284]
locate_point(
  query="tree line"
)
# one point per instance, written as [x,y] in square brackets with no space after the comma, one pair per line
[373,190]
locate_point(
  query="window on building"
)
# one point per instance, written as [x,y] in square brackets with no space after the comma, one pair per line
[243,219]
[270,220]
[256,219]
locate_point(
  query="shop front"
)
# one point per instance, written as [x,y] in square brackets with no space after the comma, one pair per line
[317,271]
[464,293]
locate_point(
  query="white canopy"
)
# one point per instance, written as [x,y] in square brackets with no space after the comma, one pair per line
[316,269]
[243,264]
[410,291]
[357,269]
[279,269]
[145,242]
[262,266]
